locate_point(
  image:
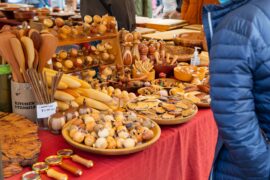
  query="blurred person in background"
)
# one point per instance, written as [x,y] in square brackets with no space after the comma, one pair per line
[191,10]
[239,42]
[123,10]
[143,8]
[175,12]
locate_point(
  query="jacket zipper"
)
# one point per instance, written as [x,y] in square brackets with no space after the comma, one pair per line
[210,24]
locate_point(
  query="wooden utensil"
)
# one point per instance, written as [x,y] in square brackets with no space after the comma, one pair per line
[57,161]
[47,49]
[5,52]
[35,64]
[18,53]
[29,50]
[36,37]
[68,153]
[42,167]
[175,57]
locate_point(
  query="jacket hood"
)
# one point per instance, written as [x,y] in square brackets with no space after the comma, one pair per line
[213,14]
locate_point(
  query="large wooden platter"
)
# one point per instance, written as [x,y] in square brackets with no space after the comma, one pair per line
[163,109]
[19,142]
[124,151]
[177,120]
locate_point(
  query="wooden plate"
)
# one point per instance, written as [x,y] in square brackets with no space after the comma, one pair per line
[124,151]
[154,89]
[169,80]
[177,120]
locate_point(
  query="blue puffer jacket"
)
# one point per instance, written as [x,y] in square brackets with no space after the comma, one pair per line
[238,35]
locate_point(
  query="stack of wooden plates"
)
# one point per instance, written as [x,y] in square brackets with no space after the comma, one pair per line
[19,141]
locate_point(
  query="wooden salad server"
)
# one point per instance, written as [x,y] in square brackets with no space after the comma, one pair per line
[47,49]
[17,50]
[7,54]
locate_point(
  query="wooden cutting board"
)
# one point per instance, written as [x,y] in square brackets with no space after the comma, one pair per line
[19,141]
[145,30]
[167,35]
[197,27]
[160,24]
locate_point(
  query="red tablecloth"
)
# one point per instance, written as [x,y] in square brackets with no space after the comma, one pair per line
[183,152]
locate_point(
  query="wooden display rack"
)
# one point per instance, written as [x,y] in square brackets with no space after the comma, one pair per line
[112,38]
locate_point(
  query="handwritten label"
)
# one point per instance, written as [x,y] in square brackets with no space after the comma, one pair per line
[46,110]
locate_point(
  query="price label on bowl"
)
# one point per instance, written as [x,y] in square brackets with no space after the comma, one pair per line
[46,110]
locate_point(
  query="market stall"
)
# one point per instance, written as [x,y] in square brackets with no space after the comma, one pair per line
[122,105]
[183,152]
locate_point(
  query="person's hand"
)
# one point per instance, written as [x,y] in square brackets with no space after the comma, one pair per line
[174,15]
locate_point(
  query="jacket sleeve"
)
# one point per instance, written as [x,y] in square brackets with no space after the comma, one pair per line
[231,77]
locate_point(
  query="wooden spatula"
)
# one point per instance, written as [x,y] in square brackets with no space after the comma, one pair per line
[29,50]
[35,65]
[36,38]
[17,50]
[7,54]
[47,49]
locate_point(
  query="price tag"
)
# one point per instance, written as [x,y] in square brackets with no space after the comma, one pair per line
[46,110]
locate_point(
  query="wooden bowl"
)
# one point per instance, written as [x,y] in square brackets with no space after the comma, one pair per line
[203,105]
[182,76]
[24,15]
[164,68]
[124,151]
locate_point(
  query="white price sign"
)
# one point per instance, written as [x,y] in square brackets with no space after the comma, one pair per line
[46,110]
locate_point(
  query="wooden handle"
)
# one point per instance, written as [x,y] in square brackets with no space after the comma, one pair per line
[80,160]
[74,170]
[56,175]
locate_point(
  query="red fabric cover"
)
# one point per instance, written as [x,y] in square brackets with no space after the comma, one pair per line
[183,152]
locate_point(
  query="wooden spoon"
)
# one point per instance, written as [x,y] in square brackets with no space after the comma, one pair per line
[7,54]
[47,49]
